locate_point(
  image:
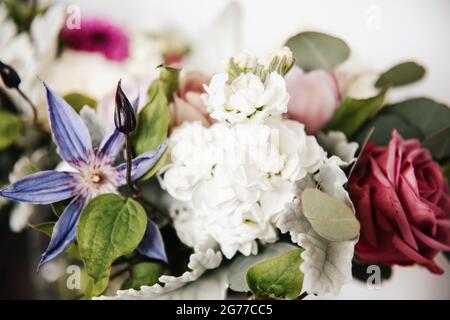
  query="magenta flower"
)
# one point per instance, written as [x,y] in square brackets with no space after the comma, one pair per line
[98,35]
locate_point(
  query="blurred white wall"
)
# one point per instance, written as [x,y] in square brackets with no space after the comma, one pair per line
[381,33]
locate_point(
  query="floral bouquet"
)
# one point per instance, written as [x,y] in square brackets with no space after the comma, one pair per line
[271,179]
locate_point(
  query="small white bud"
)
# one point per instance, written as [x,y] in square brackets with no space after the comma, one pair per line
[281,61]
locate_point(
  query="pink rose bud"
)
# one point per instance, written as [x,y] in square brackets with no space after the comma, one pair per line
[187,104]
[314,97]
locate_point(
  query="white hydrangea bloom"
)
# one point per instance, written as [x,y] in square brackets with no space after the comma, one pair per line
[246,98]
[235,180]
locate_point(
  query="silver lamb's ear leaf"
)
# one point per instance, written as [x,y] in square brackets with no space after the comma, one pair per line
[329,217]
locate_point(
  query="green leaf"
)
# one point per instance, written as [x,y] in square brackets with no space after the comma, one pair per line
[169,78]
[10,128]
[79,100]
[415,118]
[95,288]
[20,13]
[278,277]
[47,228]
[446,170]
[331,218]
[143,274]
[240,265]
[314,50]
[353,113]
[439,144]
[401,74]
[109,227]
[153,124]
[58,207]
[447,255]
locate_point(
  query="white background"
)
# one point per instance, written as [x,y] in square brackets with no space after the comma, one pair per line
[381,33]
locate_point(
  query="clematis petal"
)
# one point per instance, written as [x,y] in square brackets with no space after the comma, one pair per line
[112,144]
[64,231]
[114,141]
[42,188]
[68,129]
[142,164]
[152,245]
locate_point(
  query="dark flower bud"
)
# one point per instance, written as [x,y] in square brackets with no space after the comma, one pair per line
[9,76]
[124,117]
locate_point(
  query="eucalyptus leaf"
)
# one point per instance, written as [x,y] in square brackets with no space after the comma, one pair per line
[278,277]
[109,227]
[331,218]
[418,118]
[447,255]
[79,100]
[446,170]
[143,274]
[10,128]
[353,113]
[439,144]
[426,114]
[315,50]
[401,74]
[382,126]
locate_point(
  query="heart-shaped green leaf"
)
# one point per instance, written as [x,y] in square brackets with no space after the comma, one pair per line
[278,277]
[401,74]
[331,218]
[109,227]
[95,288]
[315,50]
[143,274]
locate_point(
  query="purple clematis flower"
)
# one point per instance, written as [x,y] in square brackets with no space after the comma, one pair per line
[96,174]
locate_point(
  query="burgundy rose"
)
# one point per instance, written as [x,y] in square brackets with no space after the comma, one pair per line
[403,203]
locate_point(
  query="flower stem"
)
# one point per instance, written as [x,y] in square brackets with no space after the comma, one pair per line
[33,107]
[134,188]
[302,296]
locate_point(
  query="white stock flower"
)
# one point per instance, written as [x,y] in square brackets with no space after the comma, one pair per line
[281,60]
[246,61]
[246,98]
